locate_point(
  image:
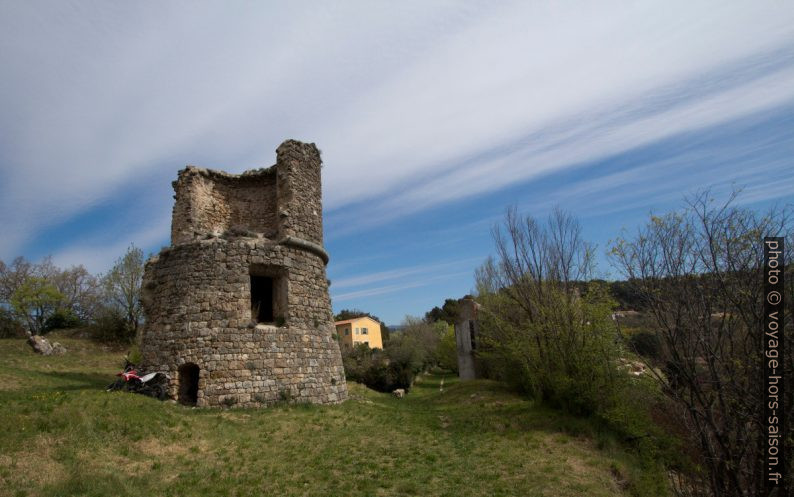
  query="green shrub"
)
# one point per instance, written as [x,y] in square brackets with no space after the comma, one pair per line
[448,350]
[134,355]
[10,327]
[646,344]
[61,319]
[110,326]
[565,358]
[381,370]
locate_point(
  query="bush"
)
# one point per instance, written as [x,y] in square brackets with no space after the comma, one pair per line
[110,326]
[60,320]
[646,344]
[134,355]
[447,351]
[566,359]
[383,370]
[10,327]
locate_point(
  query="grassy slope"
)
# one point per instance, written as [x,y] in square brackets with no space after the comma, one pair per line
[63,435]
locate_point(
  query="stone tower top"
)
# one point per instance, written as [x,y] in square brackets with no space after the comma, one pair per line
[282,202]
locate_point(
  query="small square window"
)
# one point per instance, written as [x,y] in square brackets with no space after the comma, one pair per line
[363,331]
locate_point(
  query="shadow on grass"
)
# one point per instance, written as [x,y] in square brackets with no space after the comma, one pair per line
[77,381]
[484,407]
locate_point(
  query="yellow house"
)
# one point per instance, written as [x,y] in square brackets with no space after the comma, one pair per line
[359,330]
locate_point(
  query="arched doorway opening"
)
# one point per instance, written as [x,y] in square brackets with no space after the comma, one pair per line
[188,384]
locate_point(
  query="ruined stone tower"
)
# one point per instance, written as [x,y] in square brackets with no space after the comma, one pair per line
[237,308]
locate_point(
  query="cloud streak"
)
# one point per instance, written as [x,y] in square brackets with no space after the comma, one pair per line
[425,104]
[396,287]
[395,274]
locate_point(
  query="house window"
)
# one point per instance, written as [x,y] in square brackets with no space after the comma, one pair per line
[366,343]
[268,294]
[357,331]
[363,331]
[347,331]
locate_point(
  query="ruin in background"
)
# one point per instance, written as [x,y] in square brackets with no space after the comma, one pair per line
[466,331]
[237,308]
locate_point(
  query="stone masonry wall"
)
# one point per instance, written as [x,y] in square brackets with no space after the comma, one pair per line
[466,326]
[200,312]
[210,202]
[197,293]
[300,208]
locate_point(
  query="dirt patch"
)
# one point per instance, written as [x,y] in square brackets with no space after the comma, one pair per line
[8,383]
[34,467]
[156,448]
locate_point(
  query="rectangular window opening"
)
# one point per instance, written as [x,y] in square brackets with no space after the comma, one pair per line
[262,299]
[269,290]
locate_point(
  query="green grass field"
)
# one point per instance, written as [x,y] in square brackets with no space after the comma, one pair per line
[62,434]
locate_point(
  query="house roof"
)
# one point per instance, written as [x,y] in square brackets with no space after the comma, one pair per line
[348,321]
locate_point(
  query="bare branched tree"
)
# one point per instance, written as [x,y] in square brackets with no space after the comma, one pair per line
[557,343]
[699,272]
[13,275]
[123,287]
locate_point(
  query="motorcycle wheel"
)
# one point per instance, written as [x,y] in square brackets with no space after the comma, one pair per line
[115,386]
[159,392]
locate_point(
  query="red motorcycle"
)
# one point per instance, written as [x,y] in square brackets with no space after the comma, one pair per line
[151,384]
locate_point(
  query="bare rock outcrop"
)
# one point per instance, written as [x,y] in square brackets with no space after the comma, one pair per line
[41,345]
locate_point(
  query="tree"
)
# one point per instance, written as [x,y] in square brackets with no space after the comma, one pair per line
[10,327]
[447,312]
[34,301]
[122,285]
[385,332]
[346,314]
[447,351]
[699,273]
[543,333]
[82,292]
[425,338]
[13,276]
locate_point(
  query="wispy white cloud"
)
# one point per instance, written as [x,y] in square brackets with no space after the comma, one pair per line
[424,103]
[680,172]
[399,273]
[396,287]
[588,138]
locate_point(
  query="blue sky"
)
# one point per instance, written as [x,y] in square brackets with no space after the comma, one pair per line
[432,117]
